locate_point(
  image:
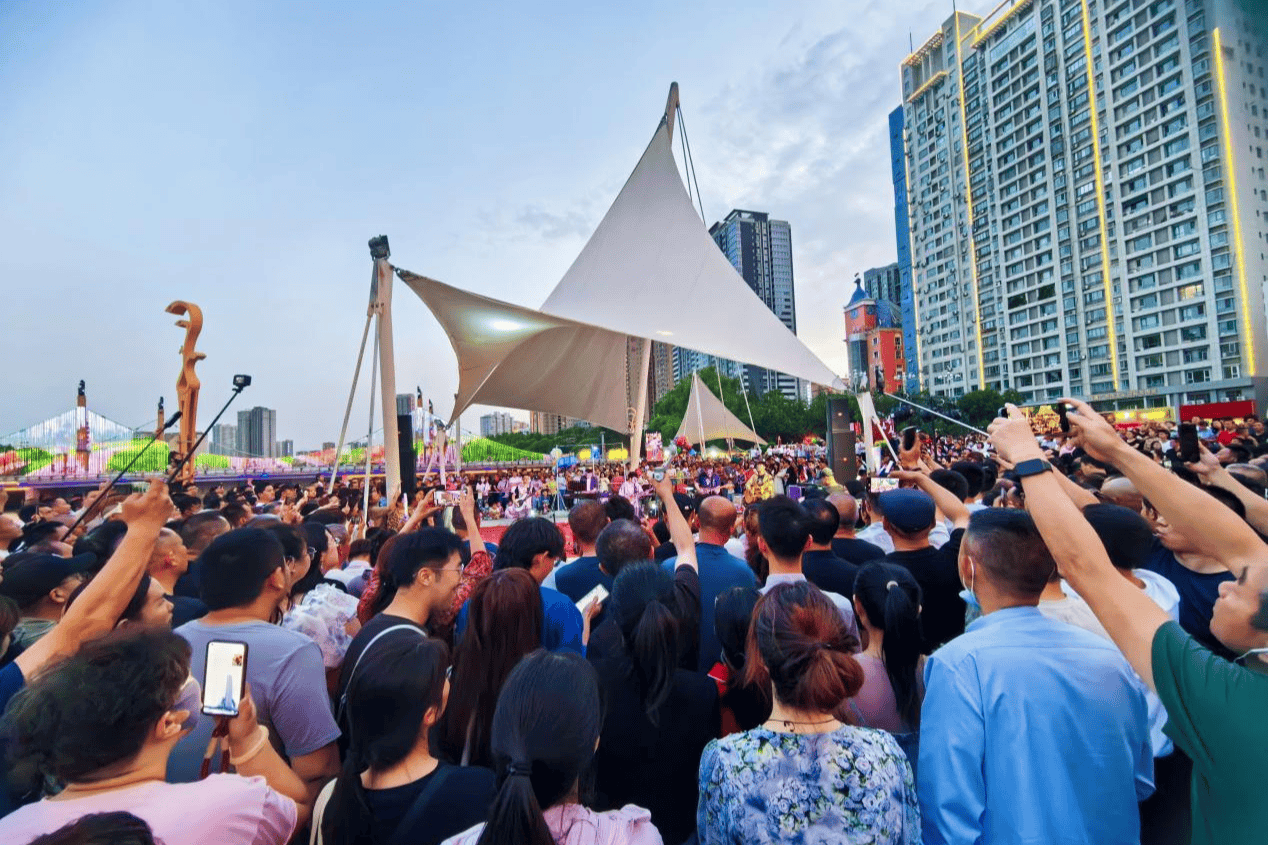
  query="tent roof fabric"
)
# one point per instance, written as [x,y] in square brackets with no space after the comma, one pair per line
[652,270]
[515,357]
[708,419]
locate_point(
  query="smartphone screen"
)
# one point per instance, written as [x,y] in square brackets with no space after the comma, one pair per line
[599,592]
[882,485]
[224,678]
[1189,450]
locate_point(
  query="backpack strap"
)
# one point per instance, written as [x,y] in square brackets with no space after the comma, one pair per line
[419,808]
[343,699]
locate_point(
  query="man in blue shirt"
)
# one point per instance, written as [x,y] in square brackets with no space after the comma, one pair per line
[586,519]
[719,571]
[1032,730]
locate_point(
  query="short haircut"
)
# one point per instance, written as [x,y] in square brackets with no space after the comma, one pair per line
[1005,543]
[586,520]
[236,565]
[972,474]
[622,542]
[235,511]
[201,528]
[360,547]
[1124,533]
[824,520]
[430,547]
[784,526]
[951,480]
[327,516]
[527,538]
[660,530]
[619,507]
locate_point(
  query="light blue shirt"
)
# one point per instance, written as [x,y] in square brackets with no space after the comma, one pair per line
[1032,731]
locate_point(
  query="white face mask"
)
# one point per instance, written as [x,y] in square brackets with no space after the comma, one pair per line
[1252,652]
[969,596]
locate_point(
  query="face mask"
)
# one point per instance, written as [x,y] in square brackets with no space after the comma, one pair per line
[970,597]
[1251,653]
[190,700]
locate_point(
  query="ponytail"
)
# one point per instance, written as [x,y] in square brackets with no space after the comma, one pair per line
[386,592]
[347,819]
[653,648]
[901,651]
[515,816]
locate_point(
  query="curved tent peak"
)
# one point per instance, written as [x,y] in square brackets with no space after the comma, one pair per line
[708,419]
[651,255]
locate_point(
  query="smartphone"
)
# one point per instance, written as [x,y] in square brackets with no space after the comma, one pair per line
[883,485]
[224,677]
[910,433]
[447,498]
[599,592]
[1190,451]
[1062,419]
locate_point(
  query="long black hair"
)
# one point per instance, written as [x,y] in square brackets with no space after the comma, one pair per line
[891,599]
[732,618]
[644,605]
[388,698]
[545,730]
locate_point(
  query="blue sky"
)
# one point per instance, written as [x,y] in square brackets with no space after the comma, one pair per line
[239,155]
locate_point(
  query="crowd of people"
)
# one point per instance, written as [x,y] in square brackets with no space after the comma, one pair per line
[1015,639]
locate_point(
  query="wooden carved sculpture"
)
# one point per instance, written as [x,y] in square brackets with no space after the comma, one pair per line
[187,384]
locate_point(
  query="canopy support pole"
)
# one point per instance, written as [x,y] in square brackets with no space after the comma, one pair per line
[747,406]
[640,389]
[695,391]
[347,414]
[381,285]
[369,435]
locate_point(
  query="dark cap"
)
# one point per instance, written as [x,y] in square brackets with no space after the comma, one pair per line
[29,576]
[910,511]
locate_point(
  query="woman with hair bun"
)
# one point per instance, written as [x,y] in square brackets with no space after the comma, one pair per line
[803,775]
[545,731]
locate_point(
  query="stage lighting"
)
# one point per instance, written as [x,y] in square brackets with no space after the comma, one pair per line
[379,248]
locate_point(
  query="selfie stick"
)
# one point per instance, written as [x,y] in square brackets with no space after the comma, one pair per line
[101,497]
[960,423]
[237,388]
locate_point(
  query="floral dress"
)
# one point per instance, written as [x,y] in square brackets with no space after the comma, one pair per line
[852,786]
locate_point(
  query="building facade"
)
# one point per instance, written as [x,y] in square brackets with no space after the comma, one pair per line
[906,294]
[257,433]
[1087,204]
[285,449]
[499,422]
[540,422]
[883,283]
[874,339]
[224,439]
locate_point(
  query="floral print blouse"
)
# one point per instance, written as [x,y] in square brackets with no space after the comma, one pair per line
[852,785]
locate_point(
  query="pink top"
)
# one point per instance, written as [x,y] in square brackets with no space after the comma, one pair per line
[875,699]
[573,824]
[225,809]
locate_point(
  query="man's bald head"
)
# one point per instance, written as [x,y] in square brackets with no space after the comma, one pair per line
[848,507]
[1121,491]
[717,517]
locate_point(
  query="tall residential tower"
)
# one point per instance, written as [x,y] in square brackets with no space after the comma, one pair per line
[1087,202]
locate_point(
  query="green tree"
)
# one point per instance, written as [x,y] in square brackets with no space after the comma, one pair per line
[980,406]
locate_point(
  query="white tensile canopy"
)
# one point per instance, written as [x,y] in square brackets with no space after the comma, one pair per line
[649,272]
[708,419]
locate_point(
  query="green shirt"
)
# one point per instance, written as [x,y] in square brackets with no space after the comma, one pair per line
[1217,713]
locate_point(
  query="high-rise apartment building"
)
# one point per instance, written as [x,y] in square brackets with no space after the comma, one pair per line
[1087,203]
[883,283]
[499,422]
[257,433]
[760,250]
[540,422]
[285,449]
[906,301]
[224,439]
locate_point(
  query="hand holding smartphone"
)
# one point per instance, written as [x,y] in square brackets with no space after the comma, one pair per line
[599,593]
[447,498]
[224,677]
[1190,450]
[883,485]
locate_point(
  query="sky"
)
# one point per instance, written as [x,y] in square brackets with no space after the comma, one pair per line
[239,155]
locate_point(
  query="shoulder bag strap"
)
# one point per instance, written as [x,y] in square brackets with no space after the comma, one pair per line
[343,699]
[419,807]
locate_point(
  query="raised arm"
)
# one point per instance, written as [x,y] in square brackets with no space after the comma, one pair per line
[1213,474]
[1129,616]
[1218,532]
[467,506]
[679,530]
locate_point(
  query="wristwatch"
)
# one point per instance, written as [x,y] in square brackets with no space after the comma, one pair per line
[1034,466]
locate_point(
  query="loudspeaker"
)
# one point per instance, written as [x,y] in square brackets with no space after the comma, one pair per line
[409,461]
[841,458]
